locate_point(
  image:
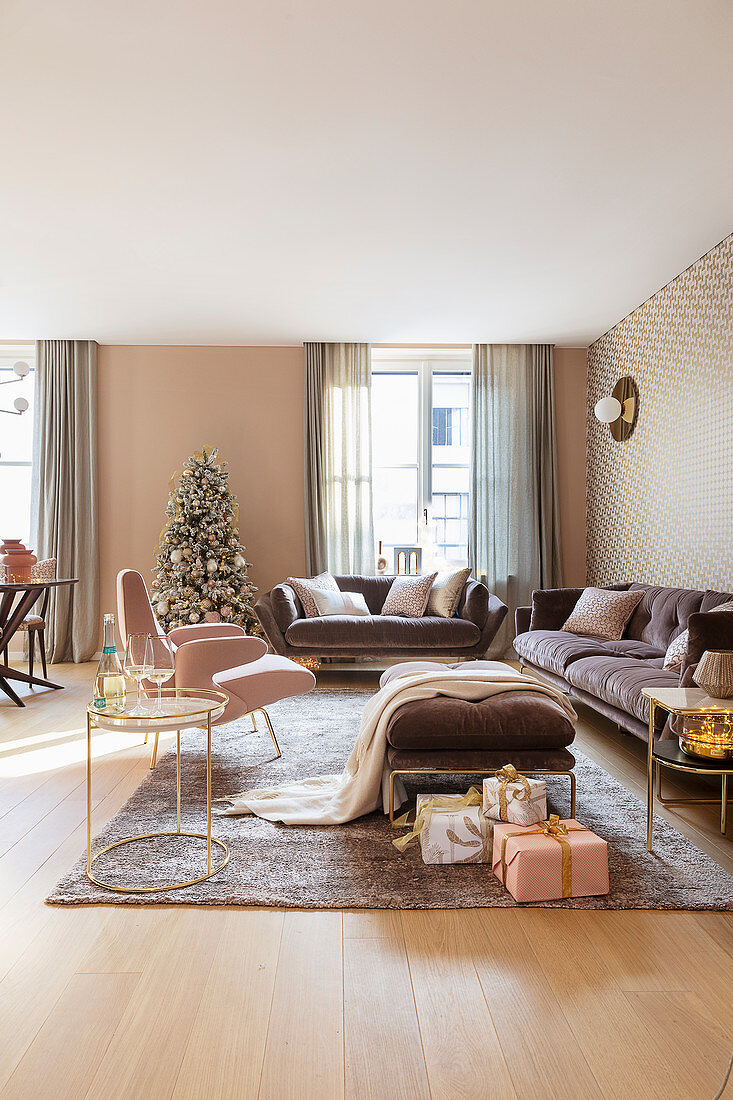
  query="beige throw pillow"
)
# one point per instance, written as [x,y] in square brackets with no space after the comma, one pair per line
[340,603]
[446,592]
[408,596]
[674,658]
[603,614]
[304,590]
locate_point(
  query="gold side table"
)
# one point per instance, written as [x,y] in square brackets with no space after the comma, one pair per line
[180,709]
[687,703]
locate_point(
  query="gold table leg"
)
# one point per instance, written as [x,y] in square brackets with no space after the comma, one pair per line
[724,804]
[208,793]
[178,781]
[650,777]
[89,794]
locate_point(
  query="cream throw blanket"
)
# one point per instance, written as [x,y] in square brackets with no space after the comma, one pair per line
[362,785]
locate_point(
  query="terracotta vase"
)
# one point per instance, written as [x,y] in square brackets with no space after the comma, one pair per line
[16,561]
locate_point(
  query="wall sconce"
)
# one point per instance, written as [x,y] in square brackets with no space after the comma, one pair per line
[20,404]
[620,409]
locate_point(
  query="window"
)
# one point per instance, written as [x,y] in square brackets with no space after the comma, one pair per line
[420,451]
[16,443]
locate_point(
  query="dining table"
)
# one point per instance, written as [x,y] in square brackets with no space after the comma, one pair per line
[16,600]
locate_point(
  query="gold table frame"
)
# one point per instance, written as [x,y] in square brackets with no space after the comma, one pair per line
[686,703]
[214,703]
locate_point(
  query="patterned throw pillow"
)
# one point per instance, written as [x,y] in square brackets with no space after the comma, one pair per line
[446,592]
[304,586]
[674,658]
[341,603]
[602,614]
[408,596]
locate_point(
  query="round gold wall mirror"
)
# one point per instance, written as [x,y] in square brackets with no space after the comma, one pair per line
[627,395]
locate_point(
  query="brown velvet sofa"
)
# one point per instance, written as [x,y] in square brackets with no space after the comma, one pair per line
[468,634]
[611,676]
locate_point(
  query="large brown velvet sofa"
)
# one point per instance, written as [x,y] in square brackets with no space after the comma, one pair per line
[611,676]
[468,634]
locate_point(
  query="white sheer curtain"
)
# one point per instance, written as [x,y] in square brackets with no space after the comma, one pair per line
[338,459]
[514,531]
[64,492]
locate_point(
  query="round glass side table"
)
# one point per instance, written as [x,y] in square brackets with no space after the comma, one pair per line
[180,709]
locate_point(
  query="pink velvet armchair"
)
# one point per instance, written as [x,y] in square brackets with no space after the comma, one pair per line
[221,656]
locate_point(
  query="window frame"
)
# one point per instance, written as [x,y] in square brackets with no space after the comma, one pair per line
[10,353]
[424,362]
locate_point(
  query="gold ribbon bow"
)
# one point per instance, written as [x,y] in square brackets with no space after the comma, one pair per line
[554,828]
[473,797]
[506,775]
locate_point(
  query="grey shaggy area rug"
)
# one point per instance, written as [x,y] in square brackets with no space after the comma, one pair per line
[356,865]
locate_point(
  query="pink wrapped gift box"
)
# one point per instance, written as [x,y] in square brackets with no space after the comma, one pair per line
[545,865]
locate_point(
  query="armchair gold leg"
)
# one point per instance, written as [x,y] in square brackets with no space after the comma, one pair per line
[154,753]
[266,716]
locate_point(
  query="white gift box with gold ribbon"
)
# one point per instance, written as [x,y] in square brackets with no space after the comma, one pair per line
[509,796]
[451,829]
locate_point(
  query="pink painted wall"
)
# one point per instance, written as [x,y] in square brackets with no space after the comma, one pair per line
[159,404]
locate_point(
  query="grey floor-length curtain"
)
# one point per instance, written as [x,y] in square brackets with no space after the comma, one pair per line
[514,530]
[64,503]
[339,530]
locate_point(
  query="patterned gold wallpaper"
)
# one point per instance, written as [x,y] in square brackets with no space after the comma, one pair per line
[660,504]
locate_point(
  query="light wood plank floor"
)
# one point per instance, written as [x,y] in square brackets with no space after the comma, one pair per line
[243,1003]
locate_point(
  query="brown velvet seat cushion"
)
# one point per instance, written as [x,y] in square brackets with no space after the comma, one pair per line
[524,760]
[337,631]
[620,681]
[556,649]
[514,720]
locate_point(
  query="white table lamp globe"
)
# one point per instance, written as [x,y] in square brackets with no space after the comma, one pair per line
[20,404]
[21,368]
[608,409]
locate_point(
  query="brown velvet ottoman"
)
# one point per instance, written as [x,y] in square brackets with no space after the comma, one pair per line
[445,736]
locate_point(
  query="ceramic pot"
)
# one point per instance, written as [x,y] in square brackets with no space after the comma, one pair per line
[16,561]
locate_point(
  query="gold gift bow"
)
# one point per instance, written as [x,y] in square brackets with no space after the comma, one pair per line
[473,797]
[506,775]
[558,832]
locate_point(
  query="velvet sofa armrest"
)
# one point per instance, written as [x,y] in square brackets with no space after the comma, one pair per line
[551,607]
[473,604]
[275,636]
[285,606]
[522,617]
[707,630]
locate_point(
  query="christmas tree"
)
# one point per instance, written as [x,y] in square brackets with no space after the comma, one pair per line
[201,572]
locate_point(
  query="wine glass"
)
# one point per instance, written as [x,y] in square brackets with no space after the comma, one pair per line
[162,667]
[138,664]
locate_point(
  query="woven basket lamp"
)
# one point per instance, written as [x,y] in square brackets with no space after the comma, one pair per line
[714,673]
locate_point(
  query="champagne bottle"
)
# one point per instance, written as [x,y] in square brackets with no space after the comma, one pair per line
[109,683]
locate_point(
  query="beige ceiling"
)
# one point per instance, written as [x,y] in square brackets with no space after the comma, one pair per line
[387,170]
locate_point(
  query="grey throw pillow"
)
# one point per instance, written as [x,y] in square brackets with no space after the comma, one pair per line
[408,596]
[304,586]
[602,614]
[446,592]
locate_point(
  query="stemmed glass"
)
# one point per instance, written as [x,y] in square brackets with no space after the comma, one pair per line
[138,664]
[162,669]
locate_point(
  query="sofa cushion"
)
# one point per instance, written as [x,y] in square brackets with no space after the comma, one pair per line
[630,647]
[513,720]
[338,631]
[304,586]
[620,681]
[556,649]
[373,589]
[662,613]
[600,613]
[408,596]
